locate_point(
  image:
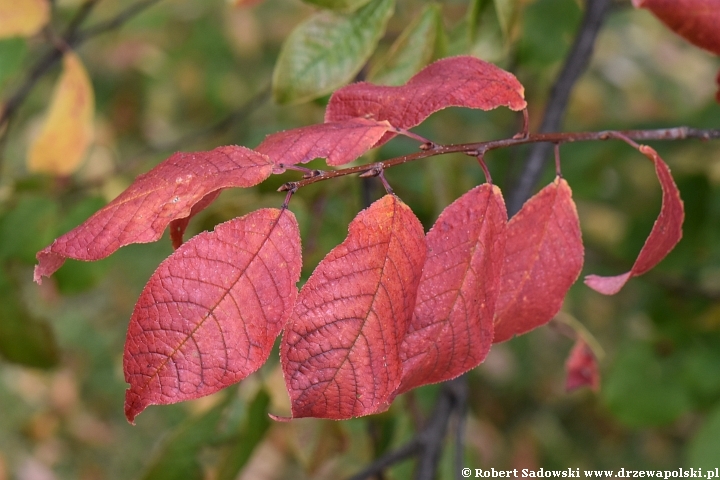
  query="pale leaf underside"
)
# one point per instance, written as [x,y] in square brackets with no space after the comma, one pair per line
[338,142]
[665,234]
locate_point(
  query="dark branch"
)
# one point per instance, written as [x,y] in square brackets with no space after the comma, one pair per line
[427,443]
[575,64]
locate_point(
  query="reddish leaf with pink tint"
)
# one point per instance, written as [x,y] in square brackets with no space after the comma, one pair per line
[178,226]
[340,352]
[452,326]
[166,193]
[665,234]
[338,142]
[582,368]
[697,21]
[543,258]
[457,81]
[211,312]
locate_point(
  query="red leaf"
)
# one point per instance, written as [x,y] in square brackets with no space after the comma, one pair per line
[338,142]
[582,368]
[452,325]
[665,234]
[178,226]
[457,81]
[543,258]
[696,21]
[142,212]
[340,352]
[210,314]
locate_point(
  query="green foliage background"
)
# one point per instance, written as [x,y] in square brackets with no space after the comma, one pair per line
[166,81]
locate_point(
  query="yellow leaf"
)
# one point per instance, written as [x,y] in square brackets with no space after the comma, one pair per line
[68,128]
[23,17]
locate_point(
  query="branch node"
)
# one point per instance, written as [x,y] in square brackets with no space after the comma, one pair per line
[375,170]
[288,187]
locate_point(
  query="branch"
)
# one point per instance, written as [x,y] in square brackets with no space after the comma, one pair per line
[72,38]
[475,149]
[575,64]
[427,443]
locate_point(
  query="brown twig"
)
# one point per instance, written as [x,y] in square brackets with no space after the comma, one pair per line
[677,133]
[575,65]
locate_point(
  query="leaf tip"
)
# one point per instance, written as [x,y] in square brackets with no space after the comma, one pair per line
[134,404]
[607,285]
[48,263]
[279,418]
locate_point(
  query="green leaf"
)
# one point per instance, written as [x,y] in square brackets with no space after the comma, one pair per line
[644,389]
[327,51]
[12,52]
[23,339]
[178,459]
[412,50]
[473,18]
[703,450]
[340,5]
[253,431]
[507,13]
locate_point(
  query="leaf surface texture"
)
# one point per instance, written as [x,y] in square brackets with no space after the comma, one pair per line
[210,314]
[341,351]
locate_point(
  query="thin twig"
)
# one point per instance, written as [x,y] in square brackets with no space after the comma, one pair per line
[677,133]
[427,443]
[575,64]
[73,38]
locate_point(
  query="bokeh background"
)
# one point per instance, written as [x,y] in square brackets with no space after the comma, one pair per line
[192,75]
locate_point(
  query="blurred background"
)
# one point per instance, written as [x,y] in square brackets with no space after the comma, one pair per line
[192,75]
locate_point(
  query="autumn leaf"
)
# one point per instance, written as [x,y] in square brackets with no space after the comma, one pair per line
[166,193]
[341,350]
[543,258]
[23,18]
[67,130]
[338,142]
[179,225]
[582,368]
[457,81]
[210,314]
[452,326]
[696,21]
[665,234]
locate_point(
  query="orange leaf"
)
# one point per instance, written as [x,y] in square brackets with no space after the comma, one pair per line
[23,18]
[68,128]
